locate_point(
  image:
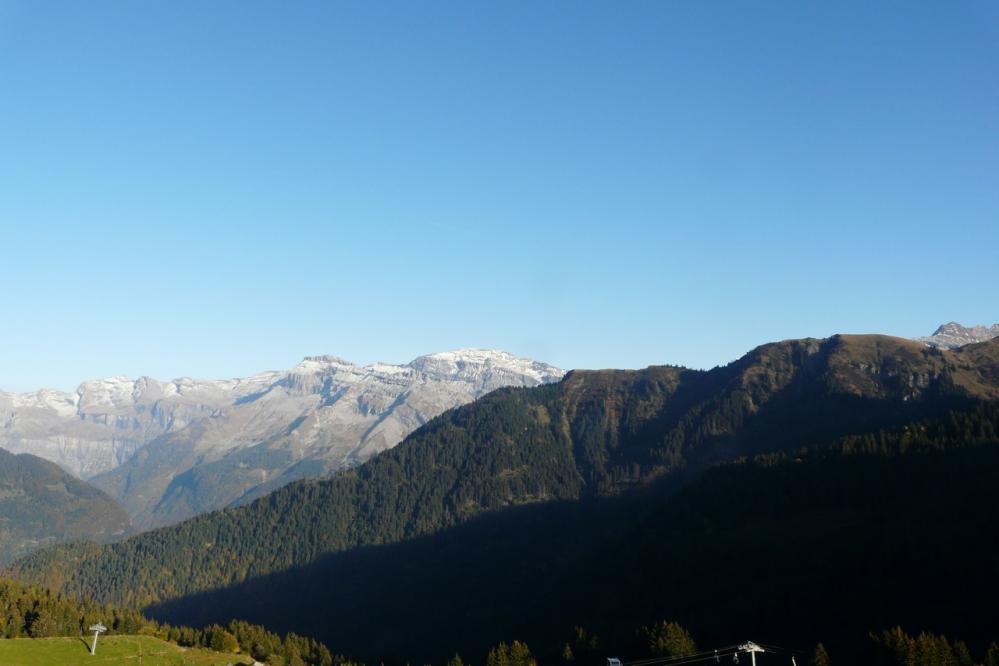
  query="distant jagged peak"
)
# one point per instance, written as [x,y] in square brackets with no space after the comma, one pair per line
[953,335]
[119,393]
[953,328]
[473,355]
[454,364]
[462,362]
[321,363]
[61,402]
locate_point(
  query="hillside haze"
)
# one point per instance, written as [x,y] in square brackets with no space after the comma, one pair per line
[170,450]
[41,504]
[595,436]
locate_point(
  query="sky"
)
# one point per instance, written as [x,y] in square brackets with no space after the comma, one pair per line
[215,189]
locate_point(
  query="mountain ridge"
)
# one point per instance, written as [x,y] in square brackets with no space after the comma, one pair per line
[953,335]
[170,450]
[40,504]
[594,434]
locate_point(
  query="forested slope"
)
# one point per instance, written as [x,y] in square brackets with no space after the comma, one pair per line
[895,527]
[41,504]
[597,434]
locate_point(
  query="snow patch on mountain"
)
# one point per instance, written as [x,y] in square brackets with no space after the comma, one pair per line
[142,440]
[953,335]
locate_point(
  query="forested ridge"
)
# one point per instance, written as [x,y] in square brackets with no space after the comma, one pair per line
[40,503]
[526,491]
[894,527]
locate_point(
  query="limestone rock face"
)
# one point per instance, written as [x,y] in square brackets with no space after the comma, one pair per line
[952,335]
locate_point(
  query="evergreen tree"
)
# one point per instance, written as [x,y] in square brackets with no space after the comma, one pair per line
[220,640]
[669,639]
[36,612]
[42,624]
[820,657]
[514,654]
[992,655]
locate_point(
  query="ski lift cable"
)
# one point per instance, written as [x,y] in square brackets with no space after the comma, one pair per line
[703,658]
[778,648]
[694,657]
[660,660]
[710,657]
[674,661]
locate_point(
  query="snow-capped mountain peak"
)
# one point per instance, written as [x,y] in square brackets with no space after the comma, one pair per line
[323,414]
[953,335]
[474,364]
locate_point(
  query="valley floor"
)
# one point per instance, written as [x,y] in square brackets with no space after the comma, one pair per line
[138,650]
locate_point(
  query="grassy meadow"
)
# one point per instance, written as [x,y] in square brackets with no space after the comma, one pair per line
[138,650]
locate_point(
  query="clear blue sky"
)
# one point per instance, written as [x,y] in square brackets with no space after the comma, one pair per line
[213,189]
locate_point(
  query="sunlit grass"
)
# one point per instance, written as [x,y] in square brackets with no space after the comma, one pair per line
[144,650]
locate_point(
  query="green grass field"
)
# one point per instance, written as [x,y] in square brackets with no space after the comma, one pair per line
[144,650]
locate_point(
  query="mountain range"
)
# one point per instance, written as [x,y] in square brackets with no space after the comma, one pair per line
[170,450]
[952,335]
[771,493]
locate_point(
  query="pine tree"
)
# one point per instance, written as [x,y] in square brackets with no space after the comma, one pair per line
[992,655]
[520,655]
[499,656]
[514,654]
[669,639]
[42,624]
[820,657]
[962,655]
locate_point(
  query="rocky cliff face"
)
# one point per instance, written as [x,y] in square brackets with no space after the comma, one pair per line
[169,450]
[952,335]
[105,421]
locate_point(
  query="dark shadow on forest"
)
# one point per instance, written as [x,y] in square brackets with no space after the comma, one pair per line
[790,554]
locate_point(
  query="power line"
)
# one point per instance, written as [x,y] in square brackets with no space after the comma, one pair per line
[749,647]
[667,660]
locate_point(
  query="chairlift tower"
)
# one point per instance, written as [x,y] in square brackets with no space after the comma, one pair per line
[752,648]
[749,647]
[97,629]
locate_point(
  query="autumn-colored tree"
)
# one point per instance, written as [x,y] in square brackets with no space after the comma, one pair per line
[514,654]
[820,657]
[669,639]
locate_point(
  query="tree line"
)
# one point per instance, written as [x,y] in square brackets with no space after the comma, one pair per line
[589,498]
[31,612]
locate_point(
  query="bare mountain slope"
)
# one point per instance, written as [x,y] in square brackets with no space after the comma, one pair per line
[952,335]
